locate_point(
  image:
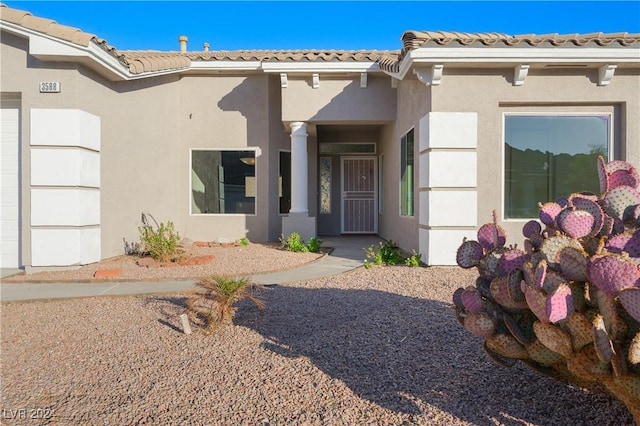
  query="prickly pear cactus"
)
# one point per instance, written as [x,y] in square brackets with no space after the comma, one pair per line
[568,305]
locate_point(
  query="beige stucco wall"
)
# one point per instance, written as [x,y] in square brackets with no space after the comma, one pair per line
[490,94]
[414,101]
[339,99]
[147,130]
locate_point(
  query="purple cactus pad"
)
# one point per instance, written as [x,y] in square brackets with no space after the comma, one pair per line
[559,304]
[630,301]
[469,254]
[575,223]
[612,273]
[513,259]
[549,212]
[491,236]
[530,228]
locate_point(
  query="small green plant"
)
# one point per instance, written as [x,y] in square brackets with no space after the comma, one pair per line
[386,253]
[295,243]
[314,245]
[244,241]
[414,260]
[213,302]
[160,243]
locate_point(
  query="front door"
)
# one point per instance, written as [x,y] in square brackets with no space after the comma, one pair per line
[359,194]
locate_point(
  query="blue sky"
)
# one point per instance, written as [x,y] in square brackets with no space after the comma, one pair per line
[348,25]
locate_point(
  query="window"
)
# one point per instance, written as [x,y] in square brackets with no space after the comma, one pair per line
[347,148]
[223,182]
[325,185]
[406,174]
[551,156]
[284,182]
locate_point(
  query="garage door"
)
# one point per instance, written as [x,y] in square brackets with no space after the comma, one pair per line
[9,185]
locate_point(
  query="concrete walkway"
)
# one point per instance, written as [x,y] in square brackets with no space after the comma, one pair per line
[348,253]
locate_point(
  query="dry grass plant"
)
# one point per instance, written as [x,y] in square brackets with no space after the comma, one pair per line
[212,305]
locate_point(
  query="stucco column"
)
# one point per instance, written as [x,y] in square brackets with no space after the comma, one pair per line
[299,172]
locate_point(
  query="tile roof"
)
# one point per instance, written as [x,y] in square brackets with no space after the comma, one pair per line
[412,40]
[152,61]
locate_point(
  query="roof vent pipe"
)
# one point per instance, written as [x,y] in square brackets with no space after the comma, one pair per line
[183,43]
[206,47]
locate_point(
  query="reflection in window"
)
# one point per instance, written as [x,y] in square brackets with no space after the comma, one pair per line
[284,182]
[325,185]
[547,157]
[223,182]
[406,174]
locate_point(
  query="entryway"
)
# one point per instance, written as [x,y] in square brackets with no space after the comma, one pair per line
[359,195]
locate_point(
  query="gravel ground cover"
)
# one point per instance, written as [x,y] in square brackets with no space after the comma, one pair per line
[228,260]
[376,346]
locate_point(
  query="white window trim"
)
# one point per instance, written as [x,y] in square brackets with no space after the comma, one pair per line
[256,151]
[610,148]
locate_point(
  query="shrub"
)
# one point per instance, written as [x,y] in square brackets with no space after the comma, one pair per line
[161,244]
[568,305]
[413,260]
[386,254]
[244,241]
[212,303]
[295,243]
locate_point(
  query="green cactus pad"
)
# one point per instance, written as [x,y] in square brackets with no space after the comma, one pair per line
[469,254]
[543,355]
[507,346]
[612,273]
[601,341]
[554,338]
[559,304]
[575,223]
[500,360]
[630,301]
[553,246]
[573,263]
[620,202]
[480,324]
[580,330]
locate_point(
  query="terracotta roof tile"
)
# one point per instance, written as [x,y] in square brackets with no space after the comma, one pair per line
[415,39]
[139,62]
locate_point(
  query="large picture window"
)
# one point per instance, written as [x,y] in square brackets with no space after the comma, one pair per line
[223,182]
[406,174]
[551,156]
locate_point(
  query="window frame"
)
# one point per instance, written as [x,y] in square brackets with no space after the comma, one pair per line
[256,153]
[403,140]
[550,112]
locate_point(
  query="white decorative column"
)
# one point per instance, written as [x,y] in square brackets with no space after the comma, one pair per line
[448,184]
[65,187]
[299,169]
[298,219]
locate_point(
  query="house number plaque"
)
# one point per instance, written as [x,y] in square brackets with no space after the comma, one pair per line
[49,87]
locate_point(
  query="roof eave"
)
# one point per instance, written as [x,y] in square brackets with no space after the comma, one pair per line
[513,55]
[48,48]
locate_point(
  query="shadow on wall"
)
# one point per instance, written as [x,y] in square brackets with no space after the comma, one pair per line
[393,350]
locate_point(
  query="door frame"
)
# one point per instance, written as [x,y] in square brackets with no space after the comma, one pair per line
[374,160]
